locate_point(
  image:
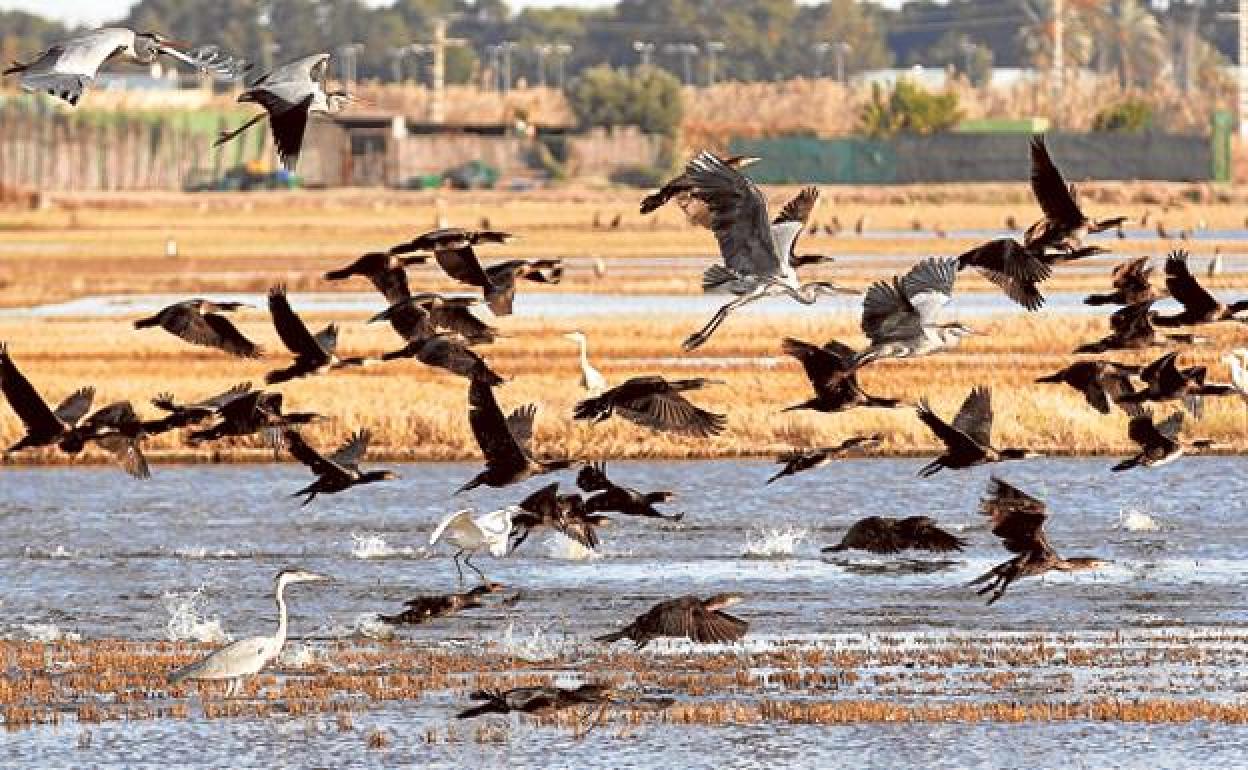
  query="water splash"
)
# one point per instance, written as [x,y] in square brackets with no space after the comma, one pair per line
[187,618]
[59,552]
[536,646]
[1133,520]
[773,543]
[560,546]
[197,553]
[374,548]
[368,626]
[48,632]
[298,656]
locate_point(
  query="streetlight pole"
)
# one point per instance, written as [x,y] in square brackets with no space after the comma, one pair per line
[508,46]
[562,51]
[644,51]
[842,50]
[821,50]
[349,53]
[542,50]
[686,51]
[713,49]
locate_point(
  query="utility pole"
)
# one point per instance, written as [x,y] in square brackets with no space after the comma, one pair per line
[437,105]
[713,49]
[562,52]
[841,49]
[644,51]
[686,51]
[542,50]
[349,53]
[1059,46]
[507,47]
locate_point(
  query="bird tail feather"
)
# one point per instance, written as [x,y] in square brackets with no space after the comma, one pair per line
[718,276]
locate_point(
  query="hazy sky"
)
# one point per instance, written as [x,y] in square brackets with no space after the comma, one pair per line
[95,11]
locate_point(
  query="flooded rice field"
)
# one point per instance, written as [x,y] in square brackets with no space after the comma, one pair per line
[856,661]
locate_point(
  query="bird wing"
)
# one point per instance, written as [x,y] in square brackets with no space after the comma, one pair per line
[462,264]
[318,463]
[887,313]
[226,336]
[461,320]
[974,418]
[447,521]
[241,658]
[1131,274]
[291,328]
[543,501]
[1016,517]
[1170,427]
[1164,372]
[825,367]
[738,217]
[410,320]
[392,283]
[491,429]
[1184,287]
[922,533]
[129,455]
[1126,320]
[875,534]
[929,286]
[75,406]
[1049,188]
[951,437]
[352,452]
[220,400]
[30,407]
[520,423]
[799,208]
[593,477]
[289,123]
[714,626]
[663,409]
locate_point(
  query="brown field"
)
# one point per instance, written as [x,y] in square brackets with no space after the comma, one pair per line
[243,243]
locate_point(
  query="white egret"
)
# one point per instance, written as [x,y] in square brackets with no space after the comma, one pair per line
[247,656]
[470,533]
[591,379]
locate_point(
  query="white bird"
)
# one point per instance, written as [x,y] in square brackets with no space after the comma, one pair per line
[469,534]
[1237,361]
[65,69]
[247,656]
[289,95]
[591,379]
[756,254]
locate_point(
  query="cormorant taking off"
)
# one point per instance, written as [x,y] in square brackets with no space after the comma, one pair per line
[314,354]
[1199,306]
[968,442]
[1132,285]
[535,700]
[422,609]
[200,322]
[882,535]
[834,378]
[1102,383]
[256,412]
[563,513]
[44,426]
[289,95]
[755,254]
[1131,328]
[656,403]
[383,269]
[1159,442]
[339,471]
[1064,224]
[800,460]
[682,186]
[185,415]
[690,617]
[421,316]
[1018,519]
[506,442]
[610,497]
[901,317]
[1012,267]
[1165,381]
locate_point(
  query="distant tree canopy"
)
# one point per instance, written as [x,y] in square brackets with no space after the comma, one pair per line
[645,97]
[908,109]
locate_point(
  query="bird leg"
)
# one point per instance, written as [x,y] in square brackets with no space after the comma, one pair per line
[459,570]
[226,136]
[231,689]
[480,574]
[698,338]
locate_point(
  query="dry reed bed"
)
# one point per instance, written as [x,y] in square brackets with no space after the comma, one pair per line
[936,680]
[417,413]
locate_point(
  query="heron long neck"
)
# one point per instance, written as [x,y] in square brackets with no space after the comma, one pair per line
[280,636]
[584,346]
[805,294]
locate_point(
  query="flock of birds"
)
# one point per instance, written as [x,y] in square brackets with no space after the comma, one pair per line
[902,317]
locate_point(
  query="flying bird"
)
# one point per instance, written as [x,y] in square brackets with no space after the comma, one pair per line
[681,189]
[1064,224]
[1159,442]
[470,533]
[1199,306]
[1132,281]
[1132,328]
[968,441]
[44,426]
[566,514]
[656,403]
[1165,381]
[427,314]
[609,497]
[883,535]
[506,442]
[202,322]
[800,460]
[833,376]
[290,95]
[901,317]
[255,412]
[337,472]
[700,620]
[1102,383]
[1012,267]
[247,657]
[194,413]
[755,255]
[314,354]
[1018,519]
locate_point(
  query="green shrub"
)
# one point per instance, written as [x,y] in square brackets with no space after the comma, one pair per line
[908,110]
[1133,116]
[648,98]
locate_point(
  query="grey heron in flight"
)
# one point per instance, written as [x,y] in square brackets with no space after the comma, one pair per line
[756,254]
[902,316]
[65,69]
[289,95]
[248,656]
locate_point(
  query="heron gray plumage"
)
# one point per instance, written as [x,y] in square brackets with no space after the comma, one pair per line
[755,254]
[247,657]
[902,316]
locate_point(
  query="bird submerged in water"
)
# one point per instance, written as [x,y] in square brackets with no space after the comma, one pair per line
[539,701]
[656,403]
[884,535]
[337,472]
[800,460]
[609,497]
[1018,519]
[834,378]
[690,617]
[202,322]
[968,441]
[423,609]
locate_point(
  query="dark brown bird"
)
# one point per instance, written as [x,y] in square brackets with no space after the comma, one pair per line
[690,617]
[1165,381]
[539,701]
[423,609]
[1012,267]
[1018,519]
[337,472]
[833,376]
[506,442]
[44,426]
[800,460]
[186,415]
[427,313]
[882,535]
[1131,328]
[610,497]
[387,272]
[200,322]
[1199,306]
[1064,224]
[682,186]
[656,403]
[1102,383]
[255,412]
[503,276]
[1132,285]
[968,441]
[314,354]
[118,429]
[1159,442]
[563,513]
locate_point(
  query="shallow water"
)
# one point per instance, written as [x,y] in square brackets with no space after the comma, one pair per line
[192,553]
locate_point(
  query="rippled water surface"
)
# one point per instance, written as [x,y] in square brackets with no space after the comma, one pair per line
[192,553]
